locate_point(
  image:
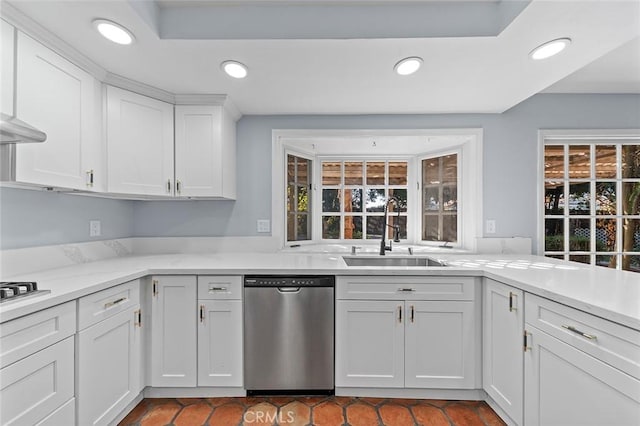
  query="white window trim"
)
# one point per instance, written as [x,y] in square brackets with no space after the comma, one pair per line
[567,136]
[470,172]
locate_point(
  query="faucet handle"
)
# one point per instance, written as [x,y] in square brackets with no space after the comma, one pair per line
[410,250]
[354,248]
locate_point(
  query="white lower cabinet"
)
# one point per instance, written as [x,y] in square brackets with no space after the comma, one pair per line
[502,354]
[406,343]
[173,331]
[36,386]
[109,363]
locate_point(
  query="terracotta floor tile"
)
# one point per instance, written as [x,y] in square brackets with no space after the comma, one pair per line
[295,414]
[312,400]
[262,414]
[489,416]
[216,402]
[360,414]
[280,400]
[373,401]
[158,401]
[427,415]
[435,402]
[327,413]
[343,400]
[227,415]
[463,415]
[160,414]
[404,401]
[136,414]
[193,415]
[188,401]
[395,415]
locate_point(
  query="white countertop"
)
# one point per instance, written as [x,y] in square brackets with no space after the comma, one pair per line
[614,295]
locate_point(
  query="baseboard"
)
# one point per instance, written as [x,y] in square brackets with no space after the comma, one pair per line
[127,410]
[199,392]
[499,411]
[454,394]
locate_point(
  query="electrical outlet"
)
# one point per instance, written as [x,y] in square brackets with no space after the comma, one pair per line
[490,226]
[263,225]
[94,228]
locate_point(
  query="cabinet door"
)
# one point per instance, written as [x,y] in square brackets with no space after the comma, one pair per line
[37,385]
[109,355]
[58,98]
[440,348]
[7,54]
[502,356]
[139,144]
[220,343]
[565,386]
[173,331]
[369,343]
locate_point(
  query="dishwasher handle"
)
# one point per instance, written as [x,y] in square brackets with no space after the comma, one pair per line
[288,289]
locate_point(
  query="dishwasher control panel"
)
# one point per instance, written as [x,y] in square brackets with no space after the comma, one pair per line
[289,281]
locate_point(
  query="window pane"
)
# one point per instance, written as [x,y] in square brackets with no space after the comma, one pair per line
[631,198]
[579,162]
[375,173]
[291,227]
[554,235]
[304,227]
[397,172]
[579,235]
[431,171]
[631,235]
[303,170]
[330,200]
[450,168]
[375,200]
[579,198]
[450,228]
[606,198]
[606,261]
[554,198]
[580,258]
[374,227]
[353,200]
[431,200]
[353,173]
[291,197]
[450,198]
[331,174]
[631,263]
[291,168]
[331,227]
[353,227]
[606,235]
[303,199]
[631,161]
[401,195]
[403,226]
[554,162]
[606,161]
[430,228]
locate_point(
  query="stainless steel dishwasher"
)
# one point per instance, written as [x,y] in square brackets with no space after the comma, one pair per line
[289,334]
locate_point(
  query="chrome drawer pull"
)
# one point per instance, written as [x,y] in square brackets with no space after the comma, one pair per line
[115,302]
[406,289]
[511,307]
[212,289]
[575,330]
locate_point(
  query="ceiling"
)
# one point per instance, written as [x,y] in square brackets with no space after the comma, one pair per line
[337,57]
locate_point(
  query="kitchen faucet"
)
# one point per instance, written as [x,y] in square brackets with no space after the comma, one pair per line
[396,228]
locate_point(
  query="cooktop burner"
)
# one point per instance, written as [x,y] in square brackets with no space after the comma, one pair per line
[18,290]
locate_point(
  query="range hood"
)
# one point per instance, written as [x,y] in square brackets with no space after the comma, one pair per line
[13,130]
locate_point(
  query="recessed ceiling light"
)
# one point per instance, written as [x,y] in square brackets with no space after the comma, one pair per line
[113,31]
[549,48]
[408,65]
[234,69]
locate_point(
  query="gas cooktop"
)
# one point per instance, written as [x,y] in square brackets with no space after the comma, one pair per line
[19,290]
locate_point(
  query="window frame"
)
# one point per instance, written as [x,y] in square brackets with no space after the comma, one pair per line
[567,138]
[311,193]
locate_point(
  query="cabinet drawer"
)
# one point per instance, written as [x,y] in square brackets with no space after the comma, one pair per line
[37,385]
[219,287]
[616,345]
[405,288]
[106,303]
[23,336]
[65,415]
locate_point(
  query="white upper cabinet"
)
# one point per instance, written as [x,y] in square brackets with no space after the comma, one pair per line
[205,150]
[139,144]
[62,100]
[7,38]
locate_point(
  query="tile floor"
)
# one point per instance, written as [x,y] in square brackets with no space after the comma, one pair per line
[316,411]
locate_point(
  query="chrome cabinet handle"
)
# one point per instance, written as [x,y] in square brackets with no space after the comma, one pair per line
[202,313]
[114,302]
[575,330]
[400,314]
[412,313]
[138,316]
[407,290]
[154,287]
[178,187]
[169,186]
[512,308]
[214,289]
[525,344]
[90,178]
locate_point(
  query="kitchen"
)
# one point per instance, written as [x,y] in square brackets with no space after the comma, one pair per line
[125,217]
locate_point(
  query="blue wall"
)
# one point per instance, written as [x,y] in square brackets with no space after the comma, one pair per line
[510,174]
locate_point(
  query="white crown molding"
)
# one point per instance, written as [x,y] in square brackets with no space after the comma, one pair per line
[139,88]
[33,29]
[30,27]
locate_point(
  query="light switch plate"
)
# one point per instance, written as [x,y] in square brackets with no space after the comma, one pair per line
[263,225]
[94,228]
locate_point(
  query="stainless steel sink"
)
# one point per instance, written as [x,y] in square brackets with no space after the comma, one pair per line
[391,261]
